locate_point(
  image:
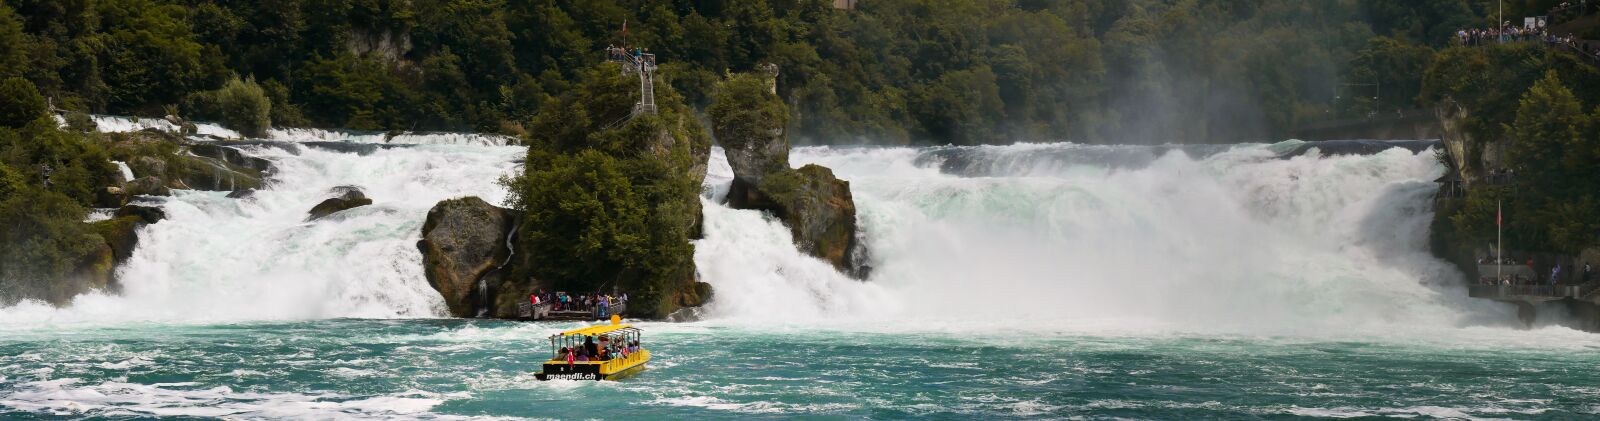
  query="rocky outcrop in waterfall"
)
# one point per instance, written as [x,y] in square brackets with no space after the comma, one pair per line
[348,197]
[121,232]
[162,161]
[819,211]
[463,240]
[747,118]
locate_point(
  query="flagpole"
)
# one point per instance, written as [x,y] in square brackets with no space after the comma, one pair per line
[1500,245]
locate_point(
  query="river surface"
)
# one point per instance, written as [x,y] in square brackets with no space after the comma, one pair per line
[1272,281]
[351,368]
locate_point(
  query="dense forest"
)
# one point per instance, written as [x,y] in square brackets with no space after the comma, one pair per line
[888,72]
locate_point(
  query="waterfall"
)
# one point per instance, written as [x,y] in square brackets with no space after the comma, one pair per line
[1271,236]
[217,259]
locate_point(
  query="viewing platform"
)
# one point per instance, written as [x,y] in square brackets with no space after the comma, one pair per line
[547,312]
[1526,296]
[1534,293]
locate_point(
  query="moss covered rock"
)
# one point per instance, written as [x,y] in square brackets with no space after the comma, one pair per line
[121,235]
[748,119]
[183,165]
[348,198]
[820,212]
[463,240]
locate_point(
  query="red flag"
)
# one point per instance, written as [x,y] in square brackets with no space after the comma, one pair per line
[1497,214]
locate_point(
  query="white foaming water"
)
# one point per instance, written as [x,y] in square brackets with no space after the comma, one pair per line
[1239,239]
[127,173]
[415,138]
[121,124]
[217,259]
[207,131]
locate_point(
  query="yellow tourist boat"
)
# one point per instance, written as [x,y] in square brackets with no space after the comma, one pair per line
[601,352]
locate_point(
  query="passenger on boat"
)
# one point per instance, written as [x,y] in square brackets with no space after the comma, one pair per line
[589,347]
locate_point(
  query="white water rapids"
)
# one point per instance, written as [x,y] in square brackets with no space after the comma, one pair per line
[1235,238]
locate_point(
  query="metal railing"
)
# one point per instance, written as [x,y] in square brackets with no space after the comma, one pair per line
[1535,292]
[529,310]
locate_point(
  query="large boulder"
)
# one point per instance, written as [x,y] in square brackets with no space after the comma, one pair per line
[111,196]
[121,235]
[819,211]
[463,240]
[147,186]
[121,232]
[146,214]
[348,197]
[94,272]
[148,166]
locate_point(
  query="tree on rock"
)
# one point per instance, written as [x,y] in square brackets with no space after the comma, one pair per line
[241,105]
[748,119]
[610,198]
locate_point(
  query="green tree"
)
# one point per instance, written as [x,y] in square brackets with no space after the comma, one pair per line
[13,58]
[244,107]
[1550,149]
[961,107]
[1396,68]
[744,108]
[20,103]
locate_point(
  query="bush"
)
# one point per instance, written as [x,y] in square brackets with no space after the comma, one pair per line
[10,182]
[242,105]
[20,103]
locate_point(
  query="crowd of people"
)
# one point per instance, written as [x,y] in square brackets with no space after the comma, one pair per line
[1508,33]
[1518,278]
[604,350]
[601,305]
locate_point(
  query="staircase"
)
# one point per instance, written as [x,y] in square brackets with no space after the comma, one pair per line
[645,66]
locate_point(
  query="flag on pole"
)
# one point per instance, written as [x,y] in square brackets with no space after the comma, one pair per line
[1497,214]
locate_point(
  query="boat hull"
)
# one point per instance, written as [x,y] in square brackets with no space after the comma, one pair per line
[594,370]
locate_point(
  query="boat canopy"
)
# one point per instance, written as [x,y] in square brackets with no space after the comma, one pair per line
[596,330]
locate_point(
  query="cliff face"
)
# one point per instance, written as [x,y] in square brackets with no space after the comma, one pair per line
[1469,156]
